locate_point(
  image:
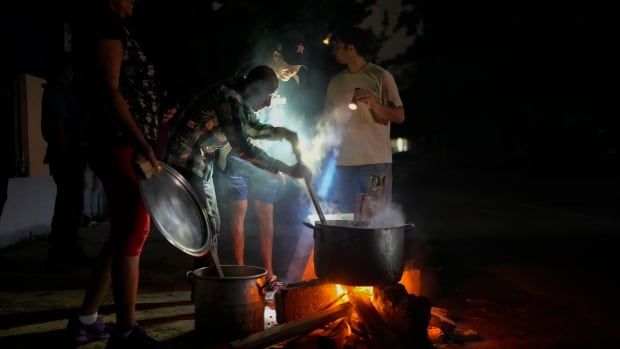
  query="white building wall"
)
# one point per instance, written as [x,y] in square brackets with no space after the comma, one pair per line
[30,204]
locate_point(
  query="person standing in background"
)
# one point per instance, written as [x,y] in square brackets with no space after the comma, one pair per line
[62,129]
[364,148]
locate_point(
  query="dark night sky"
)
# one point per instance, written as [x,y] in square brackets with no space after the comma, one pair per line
[530,84]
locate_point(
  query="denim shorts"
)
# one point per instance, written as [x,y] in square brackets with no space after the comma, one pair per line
[250,182]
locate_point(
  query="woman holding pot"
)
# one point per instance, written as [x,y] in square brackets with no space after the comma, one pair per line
[120,96]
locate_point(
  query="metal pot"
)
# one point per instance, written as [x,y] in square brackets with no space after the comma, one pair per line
[229,307]
[351,253]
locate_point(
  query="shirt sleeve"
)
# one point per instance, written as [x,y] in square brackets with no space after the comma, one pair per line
[233,124]
[390,95]
[258,130]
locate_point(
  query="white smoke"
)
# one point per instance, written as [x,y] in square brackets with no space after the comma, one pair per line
[387,216]
[314,147]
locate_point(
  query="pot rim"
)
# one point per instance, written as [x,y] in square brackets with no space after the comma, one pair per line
[263,272]
[319,224]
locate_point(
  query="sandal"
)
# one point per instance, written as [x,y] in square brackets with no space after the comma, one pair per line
[273,284]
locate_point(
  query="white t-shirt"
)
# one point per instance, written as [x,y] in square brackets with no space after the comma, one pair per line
[365,140]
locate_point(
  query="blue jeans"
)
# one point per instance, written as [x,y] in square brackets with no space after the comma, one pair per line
[94,197]
[351,180]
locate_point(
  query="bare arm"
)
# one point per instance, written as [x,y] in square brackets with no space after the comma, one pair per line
[390,108]
[229,117]
[109,59]
[382,112]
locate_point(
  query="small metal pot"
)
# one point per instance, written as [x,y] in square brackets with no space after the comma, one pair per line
[351,253]
[229,307]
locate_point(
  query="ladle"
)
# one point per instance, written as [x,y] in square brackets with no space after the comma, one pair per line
[311,191]
[315,201]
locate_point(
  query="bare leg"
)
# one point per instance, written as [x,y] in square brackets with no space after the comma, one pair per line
[264,213]
[99,283]
[302,264]
[239,209]
[125,275]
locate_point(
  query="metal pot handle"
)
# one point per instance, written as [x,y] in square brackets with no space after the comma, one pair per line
[409,227]
[189,275]
[309,225]
[262,289]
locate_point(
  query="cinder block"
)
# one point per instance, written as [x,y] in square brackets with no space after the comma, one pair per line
[302,299]
[412,279]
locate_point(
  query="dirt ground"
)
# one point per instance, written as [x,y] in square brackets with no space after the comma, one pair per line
[525,261]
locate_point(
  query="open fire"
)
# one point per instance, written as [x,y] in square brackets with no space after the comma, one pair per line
[313,312]
[344,291]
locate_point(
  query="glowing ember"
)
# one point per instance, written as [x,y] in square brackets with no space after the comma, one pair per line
[359,290]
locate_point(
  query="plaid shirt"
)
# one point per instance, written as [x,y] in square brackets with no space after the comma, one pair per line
[200,131]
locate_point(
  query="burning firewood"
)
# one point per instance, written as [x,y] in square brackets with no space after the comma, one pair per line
[379,332]
[407,315]
[355,342]
[292,328]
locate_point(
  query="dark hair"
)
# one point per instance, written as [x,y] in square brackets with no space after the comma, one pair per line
[364,41]
[262,73]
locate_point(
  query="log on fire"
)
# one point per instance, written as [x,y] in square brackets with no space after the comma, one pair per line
[292,328]
[406,315]
[379,331]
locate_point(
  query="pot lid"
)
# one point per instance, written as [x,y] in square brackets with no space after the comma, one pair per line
[177,211]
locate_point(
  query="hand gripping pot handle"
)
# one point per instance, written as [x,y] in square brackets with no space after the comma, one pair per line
[189,275]
[409,227]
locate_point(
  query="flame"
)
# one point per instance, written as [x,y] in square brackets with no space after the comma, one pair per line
[359,290]
[326,41]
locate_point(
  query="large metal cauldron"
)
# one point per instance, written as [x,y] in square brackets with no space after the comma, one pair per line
[230,307]
[351,253]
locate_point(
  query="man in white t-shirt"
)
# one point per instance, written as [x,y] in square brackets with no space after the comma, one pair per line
[364,148]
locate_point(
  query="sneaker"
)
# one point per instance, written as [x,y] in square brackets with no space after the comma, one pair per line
[273,286]
[137,339]
[79,333]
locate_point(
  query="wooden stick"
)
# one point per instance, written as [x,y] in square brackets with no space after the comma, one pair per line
[315,201]
[292,328]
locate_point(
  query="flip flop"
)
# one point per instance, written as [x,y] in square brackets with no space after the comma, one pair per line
[273,284]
